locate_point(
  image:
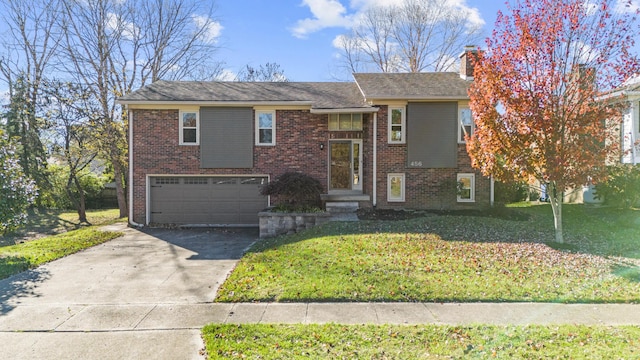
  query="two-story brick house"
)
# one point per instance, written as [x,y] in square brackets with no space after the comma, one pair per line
[199,151]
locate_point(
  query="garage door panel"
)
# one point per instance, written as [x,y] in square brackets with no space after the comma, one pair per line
[207,200]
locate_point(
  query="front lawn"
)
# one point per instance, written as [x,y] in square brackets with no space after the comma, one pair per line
[449,258]
[334,341]
[28,255]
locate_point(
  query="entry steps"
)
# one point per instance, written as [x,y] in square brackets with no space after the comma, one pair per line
[341,206]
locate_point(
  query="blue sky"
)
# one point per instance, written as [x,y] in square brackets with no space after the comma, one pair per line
[299,34]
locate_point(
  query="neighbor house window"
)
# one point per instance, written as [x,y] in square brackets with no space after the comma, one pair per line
[265,127]
[345,122]
[397,125]
[466,187]
[395,187]
[189,128]
[465,124]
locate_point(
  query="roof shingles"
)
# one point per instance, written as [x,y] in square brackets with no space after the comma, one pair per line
[321,95]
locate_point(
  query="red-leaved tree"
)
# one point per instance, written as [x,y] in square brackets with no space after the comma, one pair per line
[538,95]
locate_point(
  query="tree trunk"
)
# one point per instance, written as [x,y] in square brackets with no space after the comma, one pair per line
[556,198]
[82,206]
[119,174]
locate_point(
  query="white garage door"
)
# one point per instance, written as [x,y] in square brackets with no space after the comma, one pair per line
[219,200]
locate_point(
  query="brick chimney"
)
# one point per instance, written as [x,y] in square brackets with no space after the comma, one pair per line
[467,58]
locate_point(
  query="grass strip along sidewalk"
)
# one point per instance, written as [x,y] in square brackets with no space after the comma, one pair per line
[334,341]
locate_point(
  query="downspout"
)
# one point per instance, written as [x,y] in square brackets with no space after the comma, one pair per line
[375,159]
[633,148]
[131,222]
[492,191]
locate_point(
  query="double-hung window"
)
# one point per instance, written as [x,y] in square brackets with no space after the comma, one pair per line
[466,187]
[465,124]
[265,127]
[189,128]
[397,125]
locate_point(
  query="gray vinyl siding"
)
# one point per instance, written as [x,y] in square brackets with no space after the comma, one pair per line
[431,135]
[226,137]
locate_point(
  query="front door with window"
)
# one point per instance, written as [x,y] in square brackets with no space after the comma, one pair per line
[345,165]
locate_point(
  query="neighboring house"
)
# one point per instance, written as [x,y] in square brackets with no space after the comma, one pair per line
[630,129]
[199,151]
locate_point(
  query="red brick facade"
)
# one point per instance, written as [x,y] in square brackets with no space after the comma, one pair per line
[299,136]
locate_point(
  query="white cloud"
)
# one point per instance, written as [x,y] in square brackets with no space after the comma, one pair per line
[332,13]
[227,75]
[624,6]
[128,29]
[472,14]
[212,29]
[326,13]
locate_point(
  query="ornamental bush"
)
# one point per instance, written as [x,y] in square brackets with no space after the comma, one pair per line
[622,188]
[17,191]
[294,191]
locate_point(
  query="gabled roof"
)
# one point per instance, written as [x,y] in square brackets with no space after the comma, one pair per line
[319,95]
[412,86]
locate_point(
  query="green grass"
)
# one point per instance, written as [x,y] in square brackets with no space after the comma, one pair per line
[332,341]
[41,222]
[28,255]
[449,259]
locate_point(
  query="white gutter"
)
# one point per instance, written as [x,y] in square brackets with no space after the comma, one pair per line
[213,103]
[375,158]
[345,110]
[133,223]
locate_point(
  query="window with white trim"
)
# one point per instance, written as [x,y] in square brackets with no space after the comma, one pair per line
[465,124]
[466,187]
[345,122]
[189,128]
[397,125]
[265,127]
[395,187]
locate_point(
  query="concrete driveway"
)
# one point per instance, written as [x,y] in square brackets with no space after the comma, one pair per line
[143,295]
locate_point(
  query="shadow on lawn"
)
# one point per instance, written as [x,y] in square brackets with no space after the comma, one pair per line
[40,223]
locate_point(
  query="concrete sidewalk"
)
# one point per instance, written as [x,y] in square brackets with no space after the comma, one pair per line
[168,317]
[172,331]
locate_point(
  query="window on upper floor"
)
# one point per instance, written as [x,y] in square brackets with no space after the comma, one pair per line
[397,125]
[465,124]
[466,187]
[265,127]
[345,122]
[189,128]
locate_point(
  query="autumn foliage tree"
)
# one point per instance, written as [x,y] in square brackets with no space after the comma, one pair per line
[538,95]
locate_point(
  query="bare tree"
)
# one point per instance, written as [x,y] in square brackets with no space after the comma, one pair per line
[415,36]
[267,72]
[115,46]
[72,112]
